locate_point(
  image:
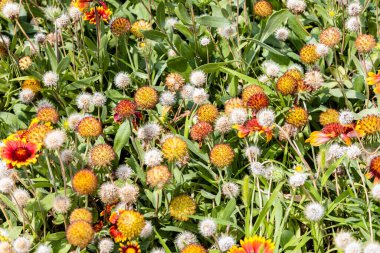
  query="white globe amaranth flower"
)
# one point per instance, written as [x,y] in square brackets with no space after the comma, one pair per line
[314,79]
[198,78]
[353,247]
[353,24]
[61,204]
[322,50]
[74,120]
[98,99]
[11,10]
[22,245]
[225,242]
[122,80]
[230,190]
[257,169]
[263,79]
[314,212]
[354,9]
[227,31]
[129,193]
[63,21]
[376,192]
[187,92]
[44,248]
[282,33]
[147,230]
[52,12]
[353,151]
[50,79]
[21,197]
[342,239]
[55,139]
[296,6]
[185,238]
[26,96]
[167,98]
[204,41]
[106,245]
[346,117]
[75,14]
[149,131]
[171,22]
[238,116]
[372,247]
[6,185]
[84,101]
[271,68]
[200,96]
[265,117]
[297,179]
[153,157]
[223,124]
[207,227]
[124,172]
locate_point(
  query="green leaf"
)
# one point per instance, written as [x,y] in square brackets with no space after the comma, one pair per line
[178,63]
[160,15]
[267,47]
[213,21]
[330,170]
[154,35]
[122,137]
[63,64]
[276,20]
[52,57]
[182,14]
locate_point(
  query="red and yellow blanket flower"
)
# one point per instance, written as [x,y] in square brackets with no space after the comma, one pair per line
[252,126]
[101,12]
[332,131]
[255,244]
[373,78]
[130,247]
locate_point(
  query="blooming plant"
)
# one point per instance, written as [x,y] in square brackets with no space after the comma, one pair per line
[198,126]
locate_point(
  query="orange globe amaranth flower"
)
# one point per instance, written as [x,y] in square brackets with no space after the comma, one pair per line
[286,85]
[249,91]
[102,155]
[181,207]
[308,54]
[80,233]
[373,78]
[158,176]
[330,37]
[222,155]
[255,244]
[139,26]
[89,127]
[252,126]
[37,133]
[295,73]
[120,26]
[124,109]
[297,116]
[328,117]
[174,149]
[85,182]
[258,101]
[232,104]
[18,152]
[81,4]
[130,247]
[194,248]
[174,81]
[81,214]
[207,113]
[31,84]
[48,114]
[364,43]
[263,9]
[369,125]
[126,225]
[200,131]
[374,166]
[101,13]
[146,97]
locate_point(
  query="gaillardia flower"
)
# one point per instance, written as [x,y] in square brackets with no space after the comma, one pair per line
[174,148]
[120,26]
[181,207]
[89,127]
[80,233]
[194,248]
[249,91]
[263,9]
[328,117]
[255,244]
[252,126]
[127,224]
[81,4]
[331,131]
[101,13]
[146,97]
[130,247]
[373,78]
[374,166]
[222,155]
[17,152]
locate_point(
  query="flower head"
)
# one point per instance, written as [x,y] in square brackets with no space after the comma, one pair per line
[89,127]
[85,182]
[50,79]
[102,13]
[308,54]
[126,225]
[263,8]
[120,26]
[79,233]
[198,78]
[255,244]
[314,212]
[181,207]
[11,10]
[18,152]
[222,155]
[106,245]
[364,43]
[81,214]
[174,148]
[184,239]
[130,247]
[102,155]
[146,97]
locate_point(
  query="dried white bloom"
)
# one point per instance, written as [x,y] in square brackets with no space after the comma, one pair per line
[198,78]
[55,139]
[204,41]
[225,242]
[314,212]
[271,68]
[297,179]
[50,79]
[238,116]
[106,245]
[11,10]
[342,239]
[207,227]
[353,24]
[122,80]
[153,157]
[167,98]
[282,33]
[84,101]
[185,238]
[98,99]
[124,172]
[26,96]
[200,96]
[230,190]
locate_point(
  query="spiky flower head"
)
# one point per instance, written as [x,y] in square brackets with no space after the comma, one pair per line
[22,244]
[158,176]
[20,196]
[129,193]
[153,157]
[55,139]
[207,113]
[89,127]
[81,214]
[308,54]
[124,109]
[297,116]
[101,155]
[75,13]
[147,230]
[353,24]
[328,117]
[167,98]
[364,43]
[258,101]
[25,62]
[120,26]
[98,99]
[122,80]
[314,212]
[181,207]
[230,190]
[222,155]
[80,233]
[296,6]
[371,247]
[223,124]
[342,239]
[265,117]
[50,79]
[354,9]
[149,131]
[198,78]
[146,97]
[263,8]
[297,179]
[85,182]
[200,96]
[48,114]
[376,192]
[106,245]
[174,148]
[354,247]
[225,242]
[250,90]
[127,224]
[207,227]
[31,84]
[184,239]
[174,81]
[124,172]
[187,92]
[194,248]
[83,101]
[109,193]
[200,131]
[227,31]
[61,204]
[139,26]
[11,10]
[26,96]
[369,124]
[374,166]
[282,33]
[44,248]
[330,36]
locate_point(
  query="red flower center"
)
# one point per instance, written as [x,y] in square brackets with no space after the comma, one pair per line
[21,154]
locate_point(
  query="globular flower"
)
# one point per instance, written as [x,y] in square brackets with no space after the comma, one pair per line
[207,227]
[181,207]
[120,26]
[73,120]
[230,190]
[130,247]
[147,230]
[50,79]
[129,193]
[109,193]
[63,21]
[271,68]
[225,242]
[149,131]
[124,109]
[75,13]
[263,8]
[200,96]
[255,244]
[297,179]
[98,99]
[25,62]
[353,247]
[85,182]
[198,78]
[48,114]
[21,196]
[295,73]
[194,248]
[153,157]
[101,155]
[122,80]
[44,248]
[250,90]
[330,37]
[80,233]
[314,79]
[124,172]
[81,214]
[187,92]
[31,84]
[106,245]
[342,239]
[369,124]
[258,101]
[252,153]
[223,124]
[314,212]
[89,127]
[354,9]
[126,225]
[328,117]
[139,26]
[200,131]
[308,54]
[238,116]
[61,204]
[22,244]
[257,168]
[6,185]
[55,139]
[372,247]
[204,41]
[174,81]
[346,117]
[374,166]
[11,10]
[84,101]
[222,155]
[296,6]
[297,116]
[146,97]
[227,31]
[174,148]
[18,152]
[167,98]
[52,12]
[265,117]
[353,24]
[376,192]
[282,33]
[6,247]
[184,239]
[364,43]
[102,12]
[26,96]
[158,250]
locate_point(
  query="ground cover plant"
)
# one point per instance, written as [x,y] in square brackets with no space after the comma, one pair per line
[189,126]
